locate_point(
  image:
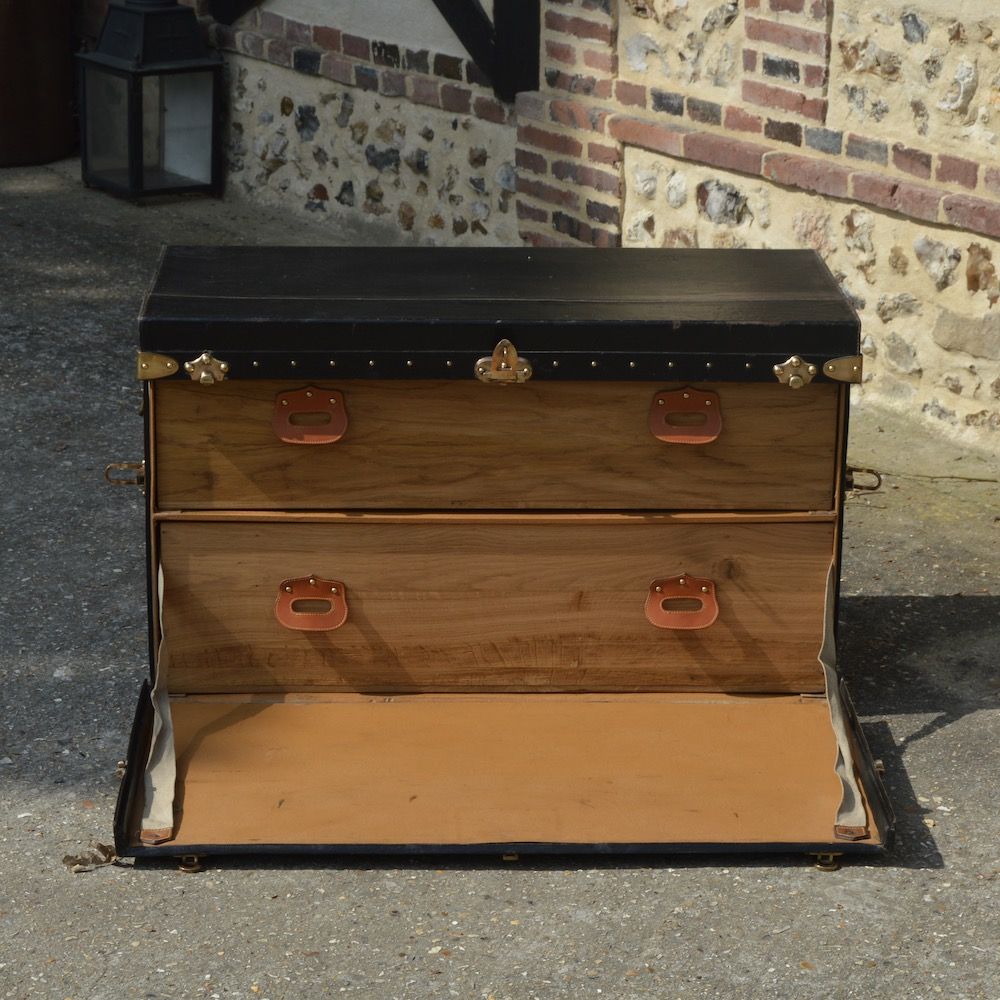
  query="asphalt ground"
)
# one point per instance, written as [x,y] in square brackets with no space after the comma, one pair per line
[920,647]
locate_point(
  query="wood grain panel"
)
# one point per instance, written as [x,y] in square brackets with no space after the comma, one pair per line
[538,768]
[501,606]
[455,444]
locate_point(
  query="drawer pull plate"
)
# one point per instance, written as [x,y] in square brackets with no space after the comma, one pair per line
[311,604]
[688,405]
[310,416]
[504,366]
[682,588]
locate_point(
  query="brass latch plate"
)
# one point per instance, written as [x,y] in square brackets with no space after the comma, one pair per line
[149,366]
[503,366]
[206,369]
[797,372]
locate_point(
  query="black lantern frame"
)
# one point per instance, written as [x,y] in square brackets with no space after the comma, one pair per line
[150,103]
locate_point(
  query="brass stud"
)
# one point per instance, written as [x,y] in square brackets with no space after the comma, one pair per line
[778,369]
[288,590]
[670,364]
[682,582]
[333,401]
[593,364]
[409,364]
[224,366]
[661,402]
[309,395]
[796,382]
[144,365]
[293,363]
[631,364]
[687,395]
[811,369]
[659,590]
[704,590]
[371,364]
[256,364]
[333,590]
[747,365]
[333,364]
[448,364]
[796,362]
[284,402]
[312,581]
[708,364]
[708,402]
[831,368]
[555,364]
[524,371]
[188,367]
[170,364]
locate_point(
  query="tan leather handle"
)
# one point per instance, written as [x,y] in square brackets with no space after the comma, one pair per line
[310,416]
[684,589]
[311,604]
[681,405]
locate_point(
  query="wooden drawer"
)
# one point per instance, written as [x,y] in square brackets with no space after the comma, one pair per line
[494,603]
[440,445]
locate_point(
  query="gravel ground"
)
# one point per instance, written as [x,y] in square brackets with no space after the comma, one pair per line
[921,643]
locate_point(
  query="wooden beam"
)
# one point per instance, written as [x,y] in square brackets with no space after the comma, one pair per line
[517,29]
[228,11]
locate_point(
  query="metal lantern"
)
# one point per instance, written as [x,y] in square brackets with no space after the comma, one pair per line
[149,99]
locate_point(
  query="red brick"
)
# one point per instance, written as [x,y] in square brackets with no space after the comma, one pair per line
[752,4]
[577,115]
[807,173]
[353,45]
[603,62]
[897,196]
[529,106]
[722,151]
[541,191]
[489,110]
[577,83]
[561,52]
[818,9]
[742,121]
[911,161]
[579,173]
[630,93]
[326,38]
[553,141]
[279,52]
[658,138]
[541,239]
[528,160]
[392,84]
[298,32]
[272,24]
[456,98]
[955,170]
[787,6]
[768,96]
[814,76]
[976,214]
[423,90]
[598,153]
[799,39]
[750,60]
[991,179]
[336,67]
[222,36]
[532,212]
[580,27]
[251,43]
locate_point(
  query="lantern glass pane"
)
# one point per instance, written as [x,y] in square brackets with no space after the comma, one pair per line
[107,125]
[177,130]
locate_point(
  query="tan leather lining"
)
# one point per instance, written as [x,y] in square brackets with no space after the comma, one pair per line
[433,769]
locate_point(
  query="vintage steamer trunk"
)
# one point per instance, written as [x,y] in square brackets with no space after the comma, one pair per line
[495,550]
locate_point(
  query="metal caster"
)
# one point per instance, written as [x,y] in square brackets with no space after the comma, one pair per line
[190,863]
[828,862]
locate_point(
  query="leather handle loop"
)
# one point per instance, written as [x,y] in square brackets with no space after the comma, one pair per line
[310,416]
[686,403]
[685,588]
[311,604]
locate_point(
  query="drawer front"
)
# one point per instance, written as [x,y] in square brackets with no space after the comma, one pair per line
[533,603]
[437,445]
